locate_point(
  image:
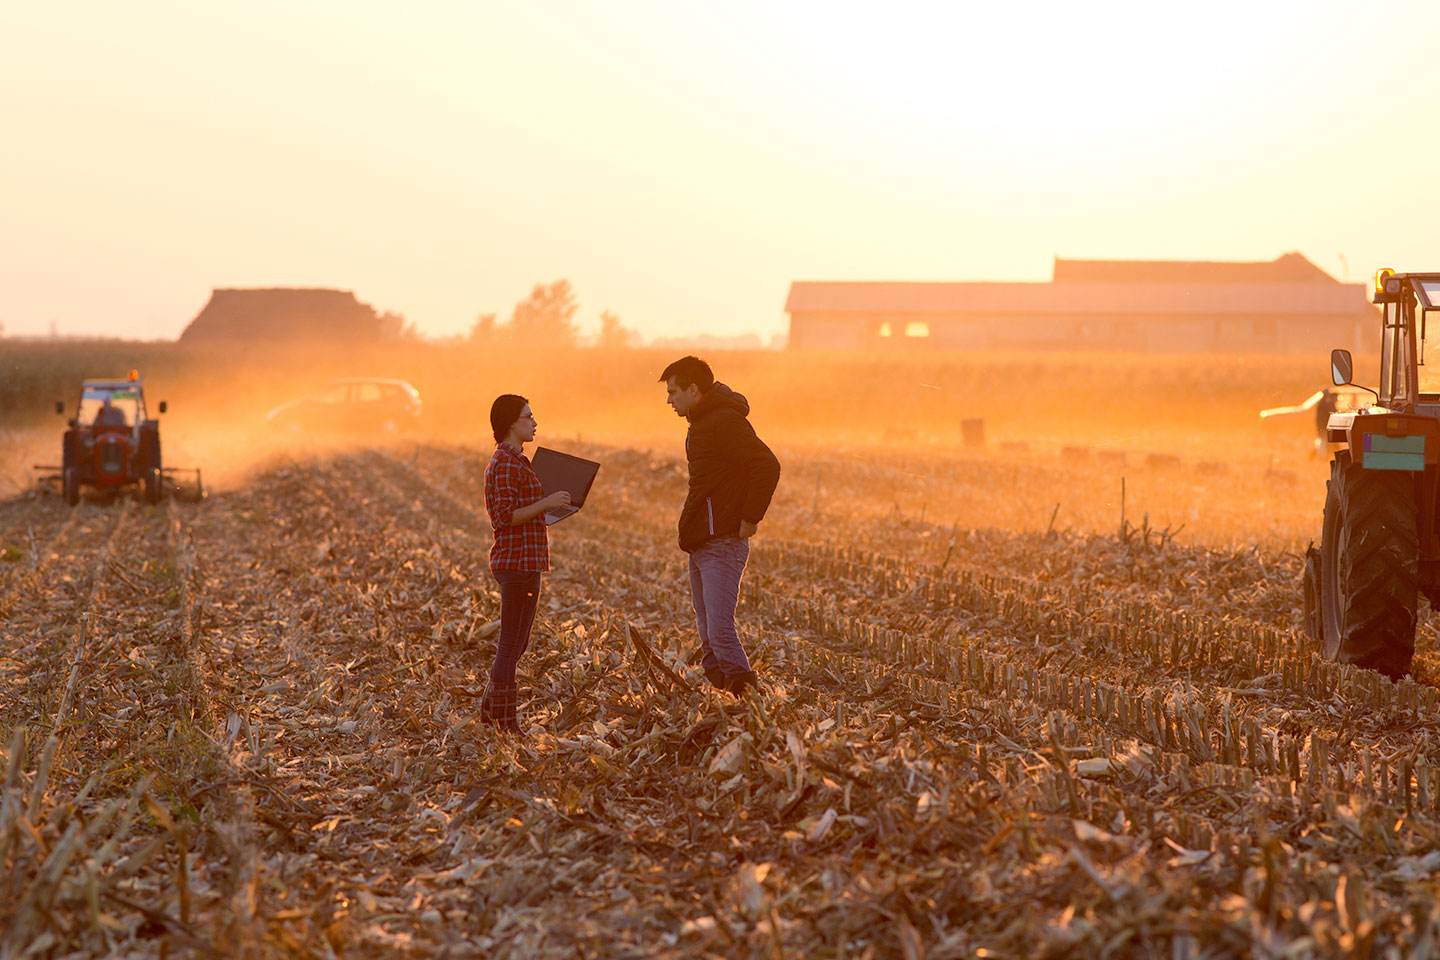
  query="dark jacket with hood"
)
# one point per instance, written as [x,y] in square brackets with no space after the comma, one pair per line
[732,473]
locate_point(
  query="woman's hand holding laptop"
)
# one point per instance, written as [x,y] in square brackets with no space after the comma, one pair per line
[560,498]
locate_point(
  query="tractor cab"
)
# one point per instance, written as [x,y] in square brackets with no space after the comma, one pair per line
[1380,541]
[1409,344]
[111,406]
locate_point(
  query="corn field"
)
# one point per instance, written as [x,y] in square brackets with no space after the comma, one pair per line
[248,727]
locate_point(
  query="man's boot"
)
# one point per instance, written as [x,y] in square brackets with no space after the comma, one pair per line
[737,683]
[717,678]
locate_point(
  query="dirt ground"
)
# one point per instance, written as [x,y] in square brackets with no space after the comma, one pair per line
[991,723]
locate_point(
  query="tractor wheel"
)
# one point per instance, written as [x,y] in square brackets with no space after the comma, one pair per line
[70,481]
[1369,568]
[150,469]
[152,485]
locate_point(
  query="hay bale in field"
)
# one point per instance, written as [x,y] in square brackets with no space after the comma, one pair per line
[1162,460]
[1074,453]
[285,314]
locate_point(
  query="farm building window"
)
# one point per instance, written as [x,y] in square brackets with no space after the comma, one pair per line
[917,328]
[884,330]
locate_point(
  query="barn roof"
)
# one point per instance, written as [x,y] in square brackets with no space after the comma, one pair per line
[1287,268]
[1110,299]
[283,313]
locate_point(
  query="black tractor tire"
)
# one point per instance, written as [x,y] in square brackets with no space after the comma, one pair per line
[151,472]
[70,484]
[152,486]
[1369,568]
[69,454]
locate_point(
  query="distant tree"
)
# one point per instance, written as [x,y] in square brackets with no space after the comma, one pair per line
[394,327]
[547,316]
[613,334]
[483,332]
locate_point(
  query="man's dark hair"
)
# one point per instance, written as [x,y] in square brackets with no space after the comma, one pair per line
[690,370]
[504,412]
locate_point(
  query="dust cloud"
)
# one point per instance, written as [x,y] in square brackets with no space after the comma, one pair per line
[871,435]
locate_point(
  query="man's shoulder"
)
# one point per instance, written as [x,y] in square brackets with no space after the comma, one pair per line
[722,417]
[714,427]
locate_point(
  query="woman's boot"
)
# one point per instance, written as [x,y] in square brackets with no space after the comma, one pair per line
[487,704]
[504,708]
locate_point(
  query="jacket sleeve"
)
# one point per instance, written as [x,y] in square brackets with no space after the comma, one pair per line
[760,465]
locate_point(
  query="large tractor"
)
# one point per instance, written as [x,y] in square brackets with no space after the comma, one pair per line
[1380,544]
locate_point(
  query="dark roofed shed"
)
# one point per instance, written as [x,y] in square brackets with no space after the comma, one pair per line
[281,313]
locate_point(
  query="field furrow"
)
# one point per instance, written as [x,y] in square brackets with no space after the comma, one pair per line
[249,727]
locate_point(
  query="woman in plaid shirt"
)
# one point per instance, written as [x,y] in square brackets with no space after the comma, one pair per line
[515,502]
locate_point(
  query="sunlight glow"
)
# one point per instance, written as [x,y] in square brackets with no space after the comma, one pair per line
[441,163]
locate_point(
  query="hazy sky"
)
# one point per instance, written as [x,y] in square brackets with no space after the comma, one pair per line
[680,163]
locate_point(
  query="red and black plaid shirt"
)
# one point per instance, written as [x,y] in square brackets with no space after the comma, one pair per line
[510,483]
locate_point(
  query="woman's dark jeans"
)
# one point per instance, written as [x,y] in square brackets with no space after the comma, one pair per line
[519,596]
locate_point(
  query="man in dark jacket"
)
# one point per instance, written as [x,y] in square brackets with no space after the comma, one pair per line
[733,475]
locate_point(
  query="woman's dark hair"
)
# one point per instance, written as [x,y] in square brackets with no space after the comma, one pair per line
[504,412]
[690,370]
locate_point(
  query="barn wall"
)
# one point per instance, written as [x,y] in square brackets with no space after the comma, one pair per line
[1154,334]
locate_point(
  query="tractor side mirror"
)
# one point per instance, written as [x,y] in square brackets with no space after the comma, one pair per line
[163,405]
[60,406]
[1342,368]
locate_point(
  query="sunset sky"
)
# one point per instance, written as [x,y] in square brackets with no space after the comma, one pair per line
[680,163]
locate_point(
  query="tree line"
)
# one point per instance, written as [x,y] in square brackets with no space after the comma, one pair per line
[547,318]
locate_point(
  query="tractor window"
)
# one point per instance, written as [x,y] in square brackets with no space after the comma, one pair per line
[92,399]
[1429,291]
[1428,334]
[1403,360]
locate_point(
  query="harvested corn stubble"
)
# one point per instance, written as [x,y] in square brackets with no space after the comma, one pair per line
[223,738]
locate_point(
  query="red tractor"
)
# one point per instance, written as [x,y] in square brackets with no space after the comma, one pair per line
[111,443]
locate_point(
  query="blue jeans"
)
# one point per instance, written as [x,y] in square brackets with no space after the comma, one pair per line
[715,570]
[519,596]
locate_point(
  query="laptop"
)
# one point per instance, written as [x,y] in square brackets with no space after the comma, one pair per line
[562,471]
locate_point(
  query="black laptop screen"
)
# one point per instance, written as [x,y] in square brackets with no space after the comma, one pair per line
[561,471]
